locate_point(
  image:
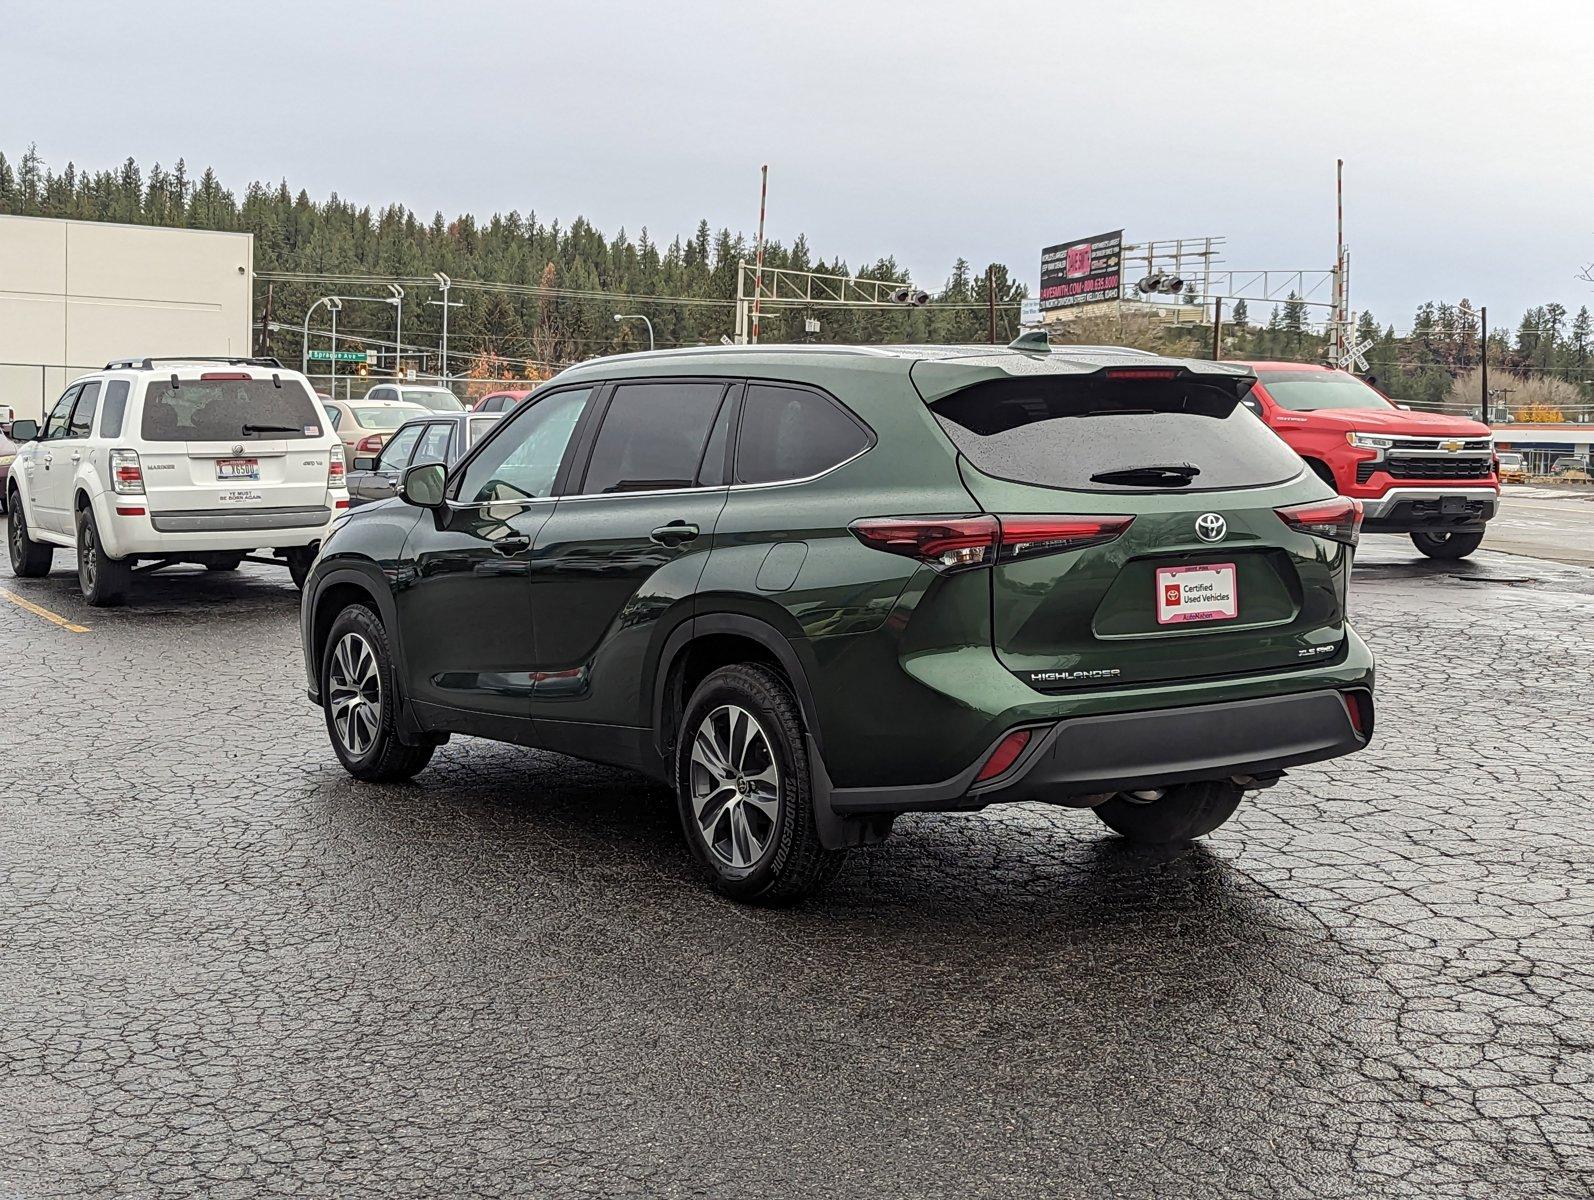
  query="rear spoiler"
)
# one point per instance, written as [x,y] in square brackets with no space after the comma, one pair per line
[940,377]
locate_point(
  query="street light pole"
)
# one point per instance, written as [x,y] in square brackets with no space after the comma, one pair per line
[444,282]
[398,330]
[638,317]
[336,306]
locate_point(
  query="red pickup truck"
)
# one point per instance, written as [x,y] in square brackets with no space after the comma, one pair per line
[1431,475]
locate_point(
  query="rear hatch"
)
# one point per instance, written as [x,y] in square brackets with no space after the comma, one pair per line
[1142,539]
[231,440]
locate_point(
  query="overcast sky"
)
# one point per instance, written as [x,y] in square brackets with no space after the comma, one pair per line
[923,129]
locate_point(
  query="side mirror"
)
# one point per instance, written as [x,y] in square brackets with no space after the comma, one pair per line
[24,431]
[365,463]
[422,485]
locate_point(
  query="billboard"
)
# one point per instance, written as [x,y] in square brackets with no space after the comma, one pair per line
[1083,271]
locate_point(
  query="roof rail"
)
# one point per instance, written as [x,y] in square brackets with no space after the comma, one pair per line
[148,364]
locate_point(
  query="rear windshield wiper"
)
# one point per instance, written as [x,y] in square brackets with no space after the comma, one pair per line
[272,429]
[1169,475]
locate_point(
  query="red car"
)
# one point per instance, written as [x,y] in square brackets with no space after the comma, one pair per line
[1430,475]
[499,402]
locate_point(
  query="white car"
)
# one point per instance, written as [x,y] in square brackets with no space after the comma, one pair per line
[435,399]
[170,460]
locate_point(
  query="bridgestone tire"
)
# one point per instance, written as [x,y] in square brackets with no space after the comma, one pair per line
[29,559]
[792,864]
[1447,545]
[386,759]
[102,579]
[1184,812]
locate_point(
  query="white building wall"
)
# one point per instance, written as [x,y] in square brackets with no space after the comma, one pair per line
[76,294]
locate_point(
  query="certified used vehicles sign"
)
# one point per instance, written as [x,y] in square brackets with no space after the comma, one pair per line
[1198,593]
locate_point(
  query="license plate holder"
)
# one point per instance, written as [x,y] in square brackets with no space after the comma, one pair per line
[229,469]
[1197,592]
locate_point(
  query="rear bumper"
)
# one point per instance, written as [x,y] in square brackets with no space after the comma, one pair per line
[1076,760]
[171,533]
[1430,509]
[210,520]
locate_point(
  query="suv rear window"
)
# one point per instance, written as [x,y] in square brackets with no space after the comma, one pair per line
[224,410]
[1091,434]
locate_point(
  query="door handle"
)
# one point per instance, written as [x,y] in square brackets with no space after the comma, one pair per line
[48,459]
[674,533]
[77,456]
[511,546]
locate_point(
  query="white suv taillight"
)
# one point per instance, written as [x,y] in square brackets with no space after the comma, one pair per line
[127,477]
[335,468]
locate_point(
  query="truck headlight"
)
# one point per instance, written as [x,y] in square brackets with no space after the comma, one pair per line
[1369,441]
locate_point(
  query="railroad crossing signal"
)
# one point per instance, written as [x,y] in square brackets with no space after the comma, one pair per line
[1354,357]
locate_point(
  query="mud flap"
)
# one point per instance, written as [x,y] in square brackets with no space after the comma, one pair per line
[838,832]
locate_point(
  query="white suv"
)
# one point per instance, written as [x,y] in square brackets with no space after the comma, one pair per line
[175,460]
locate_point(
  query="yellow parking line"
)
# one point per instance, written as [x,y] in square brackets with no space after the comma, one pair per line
[53,618]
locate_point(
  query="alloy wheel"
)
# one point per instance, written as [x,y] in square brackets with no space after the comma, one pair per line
[735,786]
[354,694]
[18,532]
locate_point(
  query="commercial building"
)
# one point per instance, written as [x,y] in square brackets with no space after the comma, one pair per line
[75,294]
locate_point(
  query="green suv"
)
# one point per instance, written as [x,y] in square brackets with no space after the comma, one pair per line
[813,587]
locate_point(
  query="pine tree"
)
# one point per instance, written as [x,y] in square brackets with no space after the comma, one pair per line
[1240,318]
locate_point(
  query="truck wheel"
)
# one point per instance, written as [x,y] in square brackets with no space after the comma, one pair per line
[102,579]
[1447,545]
[29,559]
[742,784]
[1181,813]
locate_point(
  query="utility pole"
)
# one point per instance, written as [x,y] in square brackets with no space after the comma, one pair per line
[336,305]
[1483,360]
[1217,329]
[263,342]
[990,301]
[758,257]
[444,283]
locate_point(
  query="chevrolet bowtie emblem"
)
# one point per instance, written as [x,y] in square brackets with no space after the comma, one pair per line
[1451,447]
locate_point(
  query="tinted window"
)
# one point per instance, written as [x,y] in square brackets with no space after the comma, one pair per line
[55,425]
[88,402]
[114,408]
[434,444]
[1100,435]
[381,393]
[222,410]
[1303,391]
[522,460]
[397,452]
[792,433]
[653,437]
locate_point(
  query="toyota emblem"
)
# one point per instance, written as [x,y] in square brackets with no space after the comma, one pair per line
[1210,527]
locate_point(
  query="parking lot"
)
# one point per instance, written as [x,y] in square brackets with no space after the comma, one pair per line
[229,969]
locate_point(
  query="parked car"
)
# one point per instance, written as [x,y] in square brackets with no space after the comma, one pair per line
[814,587]
[435,399]
[8,454]
[170,460]
[500,402]
[1511,467]
[1571,469]
[444,439]
[1429,475]
[365,425]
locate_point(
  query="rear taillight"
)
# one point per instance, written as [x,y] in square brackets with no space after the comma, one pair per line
[127,476]
[956,543]
[1025,537]
[1004,756]
[949,543]
[335,467]
[369,445]
[1339,519]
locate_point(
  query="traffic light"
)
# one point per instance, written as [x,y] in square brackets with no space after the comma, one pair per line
[909,296]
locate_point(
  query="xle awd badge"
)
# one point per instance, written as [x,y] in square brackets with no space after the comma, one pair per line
[1210,527]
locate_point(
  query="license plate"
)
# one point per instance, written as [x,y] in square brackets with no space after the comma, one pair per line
[237,468]
[1197,593]
[238,496]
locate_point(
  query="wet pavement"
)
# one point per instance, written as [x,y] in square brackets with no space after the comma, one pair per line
[227,969]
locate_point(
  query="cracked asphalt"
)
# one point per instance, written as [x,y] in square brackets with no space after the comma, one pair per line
[226,969]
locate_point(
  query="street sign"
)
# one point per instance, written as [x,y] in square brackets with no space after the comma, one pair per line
[810,324]
[348,356]
[1029,313]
